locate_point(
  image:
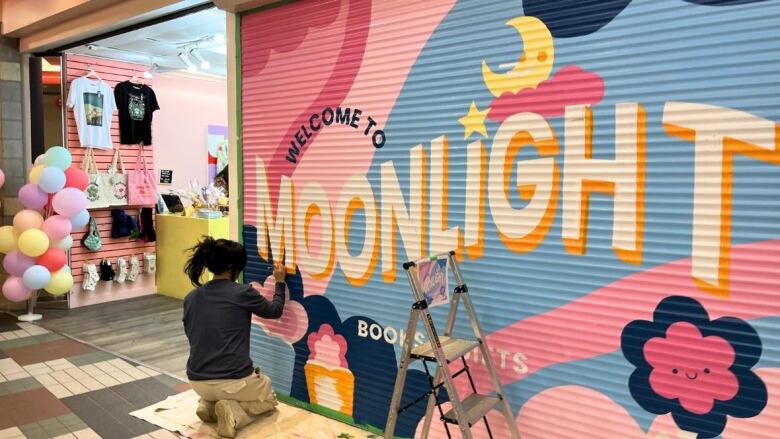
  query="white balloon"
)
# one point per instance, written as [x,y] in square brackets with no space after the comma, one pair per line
[40,160]
[64,244]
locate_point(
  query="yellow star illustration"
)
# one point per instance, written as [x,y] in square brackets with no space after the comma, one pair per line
[474,121]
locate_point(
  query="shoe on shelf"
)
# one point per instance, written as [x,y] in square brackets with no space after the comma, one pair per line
[121,265]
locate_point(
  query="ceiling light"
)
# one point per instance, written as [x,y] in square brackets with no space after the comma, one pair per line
[204,65]
[186,60]
[148,74]
[219,38]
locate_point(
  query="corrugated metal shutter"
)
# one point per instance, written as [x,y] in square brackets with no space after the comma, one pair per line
[607,170]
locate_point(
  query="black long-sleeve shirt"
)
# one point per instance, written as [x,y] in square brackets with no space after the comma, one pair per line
[217,320]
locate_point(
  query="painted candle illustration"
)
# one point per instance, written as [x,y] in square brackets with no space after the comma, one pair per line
[434,281]
[328,378]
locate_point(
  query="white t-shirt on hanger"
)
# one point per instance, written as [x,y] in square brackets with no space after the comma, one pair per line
[93,106]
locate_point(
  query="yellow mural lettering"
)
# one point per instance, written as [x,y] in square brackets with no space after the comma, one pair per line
[523,229]
[312,203]
[622,178]
[410,222]
[717,134]
[441,238]
[476,176]
[356,194]
[276,232]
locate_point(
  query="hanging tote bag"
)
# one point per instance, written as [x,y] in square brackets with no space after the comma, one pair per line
[92,240]
[95,192]
[141,183]
[117,181]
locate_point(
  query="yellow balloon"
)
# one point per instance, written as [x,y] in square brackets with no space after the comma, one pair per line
[534,65]
[35,173]
[61,282]
[33,243]
[8,239]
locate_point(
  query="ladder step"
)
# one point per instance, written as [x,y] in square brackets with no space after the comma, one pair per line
[476,407]
[454,348]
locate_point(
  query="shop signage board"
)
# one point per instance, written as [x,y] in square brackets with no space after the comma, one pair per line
[606,171]
[166,176]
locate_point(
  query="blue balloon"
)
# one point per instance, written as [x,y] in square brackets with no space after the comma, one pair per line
[80,220]
[58,157]
[51,180]
[36,277]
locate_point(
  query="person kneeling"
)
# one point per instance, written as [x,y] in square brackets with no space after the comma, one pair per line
[217,321]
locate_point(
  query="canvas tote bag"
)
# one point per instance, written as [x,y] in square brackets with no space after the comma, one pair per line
[117,181]
[96,193]
[141,183]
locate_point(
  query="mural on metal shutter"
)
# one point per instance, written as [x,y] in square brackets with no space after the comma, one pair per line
[608,172]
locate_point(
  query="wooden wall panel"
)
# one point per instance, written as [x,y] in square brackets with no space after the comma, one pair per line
[113,72]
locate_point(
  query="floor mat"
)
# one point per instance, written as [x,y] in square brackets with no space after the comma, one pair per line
[54,387]
[177,413]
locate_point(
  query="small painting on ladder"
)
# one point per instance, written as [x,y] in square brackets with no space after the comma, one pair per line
[434,280]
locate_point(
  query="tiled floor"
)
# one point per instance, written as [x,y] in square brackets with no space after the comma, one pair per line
[54,387]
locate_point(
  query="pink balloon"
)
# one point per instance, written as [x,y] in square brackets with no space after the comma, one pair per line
[2,178]
[57,227]
[69,202]
[33,197]
[75,177]
[15,291]
[15,263]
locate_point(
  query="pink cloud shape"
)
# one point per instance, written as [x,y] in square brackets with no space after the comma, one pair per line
[569,86]
[292,326]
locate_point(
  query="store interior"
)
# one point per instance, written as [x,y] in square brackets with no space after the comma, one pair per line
[182,61]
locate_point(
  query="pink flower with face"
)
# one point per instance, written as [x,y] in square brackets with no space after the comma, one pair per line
[691,368]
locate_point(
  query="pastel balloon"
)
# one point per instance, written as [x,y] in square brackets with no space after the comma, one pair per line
[59,157]
[61,282]
[64,244]
[32,197]
[36,277]
[15,291]
[15,263]
[35,172]
[80,219]
[52,179]
[2,178]
[40,160]
[57,227]
[76,178]
[53,260]
[27,219]
[33,243]
[8,239]
[69,202]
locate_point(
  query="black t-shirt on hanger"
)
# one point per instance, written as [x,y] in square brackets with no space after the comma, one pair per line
[136,103]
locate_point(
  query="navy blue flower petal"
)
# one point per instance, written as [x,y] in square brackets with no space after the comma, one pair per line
[740,335]
[680,309]
[707,426]
[633,340]
[643,394]
[749,401]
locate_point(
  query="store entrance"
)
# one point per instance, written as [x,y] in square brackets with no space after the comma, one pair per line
[145,113]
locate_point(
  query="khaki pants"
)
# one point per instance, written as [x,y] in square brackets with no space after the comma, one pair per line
[253,393]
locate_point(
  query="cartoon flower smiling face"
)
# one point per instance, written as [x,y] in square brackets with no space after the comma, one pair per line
[696,368]
[692,368]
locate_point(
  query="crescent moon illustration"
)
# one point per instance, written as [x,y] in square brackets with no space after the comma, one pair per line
[535,64]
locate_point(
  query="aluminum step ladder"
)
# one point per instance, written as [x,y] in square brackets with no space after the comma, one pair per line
[445,350]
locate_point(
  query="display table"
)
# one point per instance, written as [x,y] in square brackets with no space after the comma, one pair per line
[175,236]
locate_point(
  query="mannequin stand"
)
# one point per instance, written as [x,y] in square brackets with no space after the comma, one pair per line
[30,316]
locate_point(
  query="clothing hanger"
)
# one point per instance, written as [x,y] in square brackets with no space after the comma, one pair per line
[135,79]
[92,72]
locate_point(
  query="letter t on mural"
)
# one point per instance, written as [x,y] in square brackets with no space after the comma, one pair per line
[718,134]
[623,178]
